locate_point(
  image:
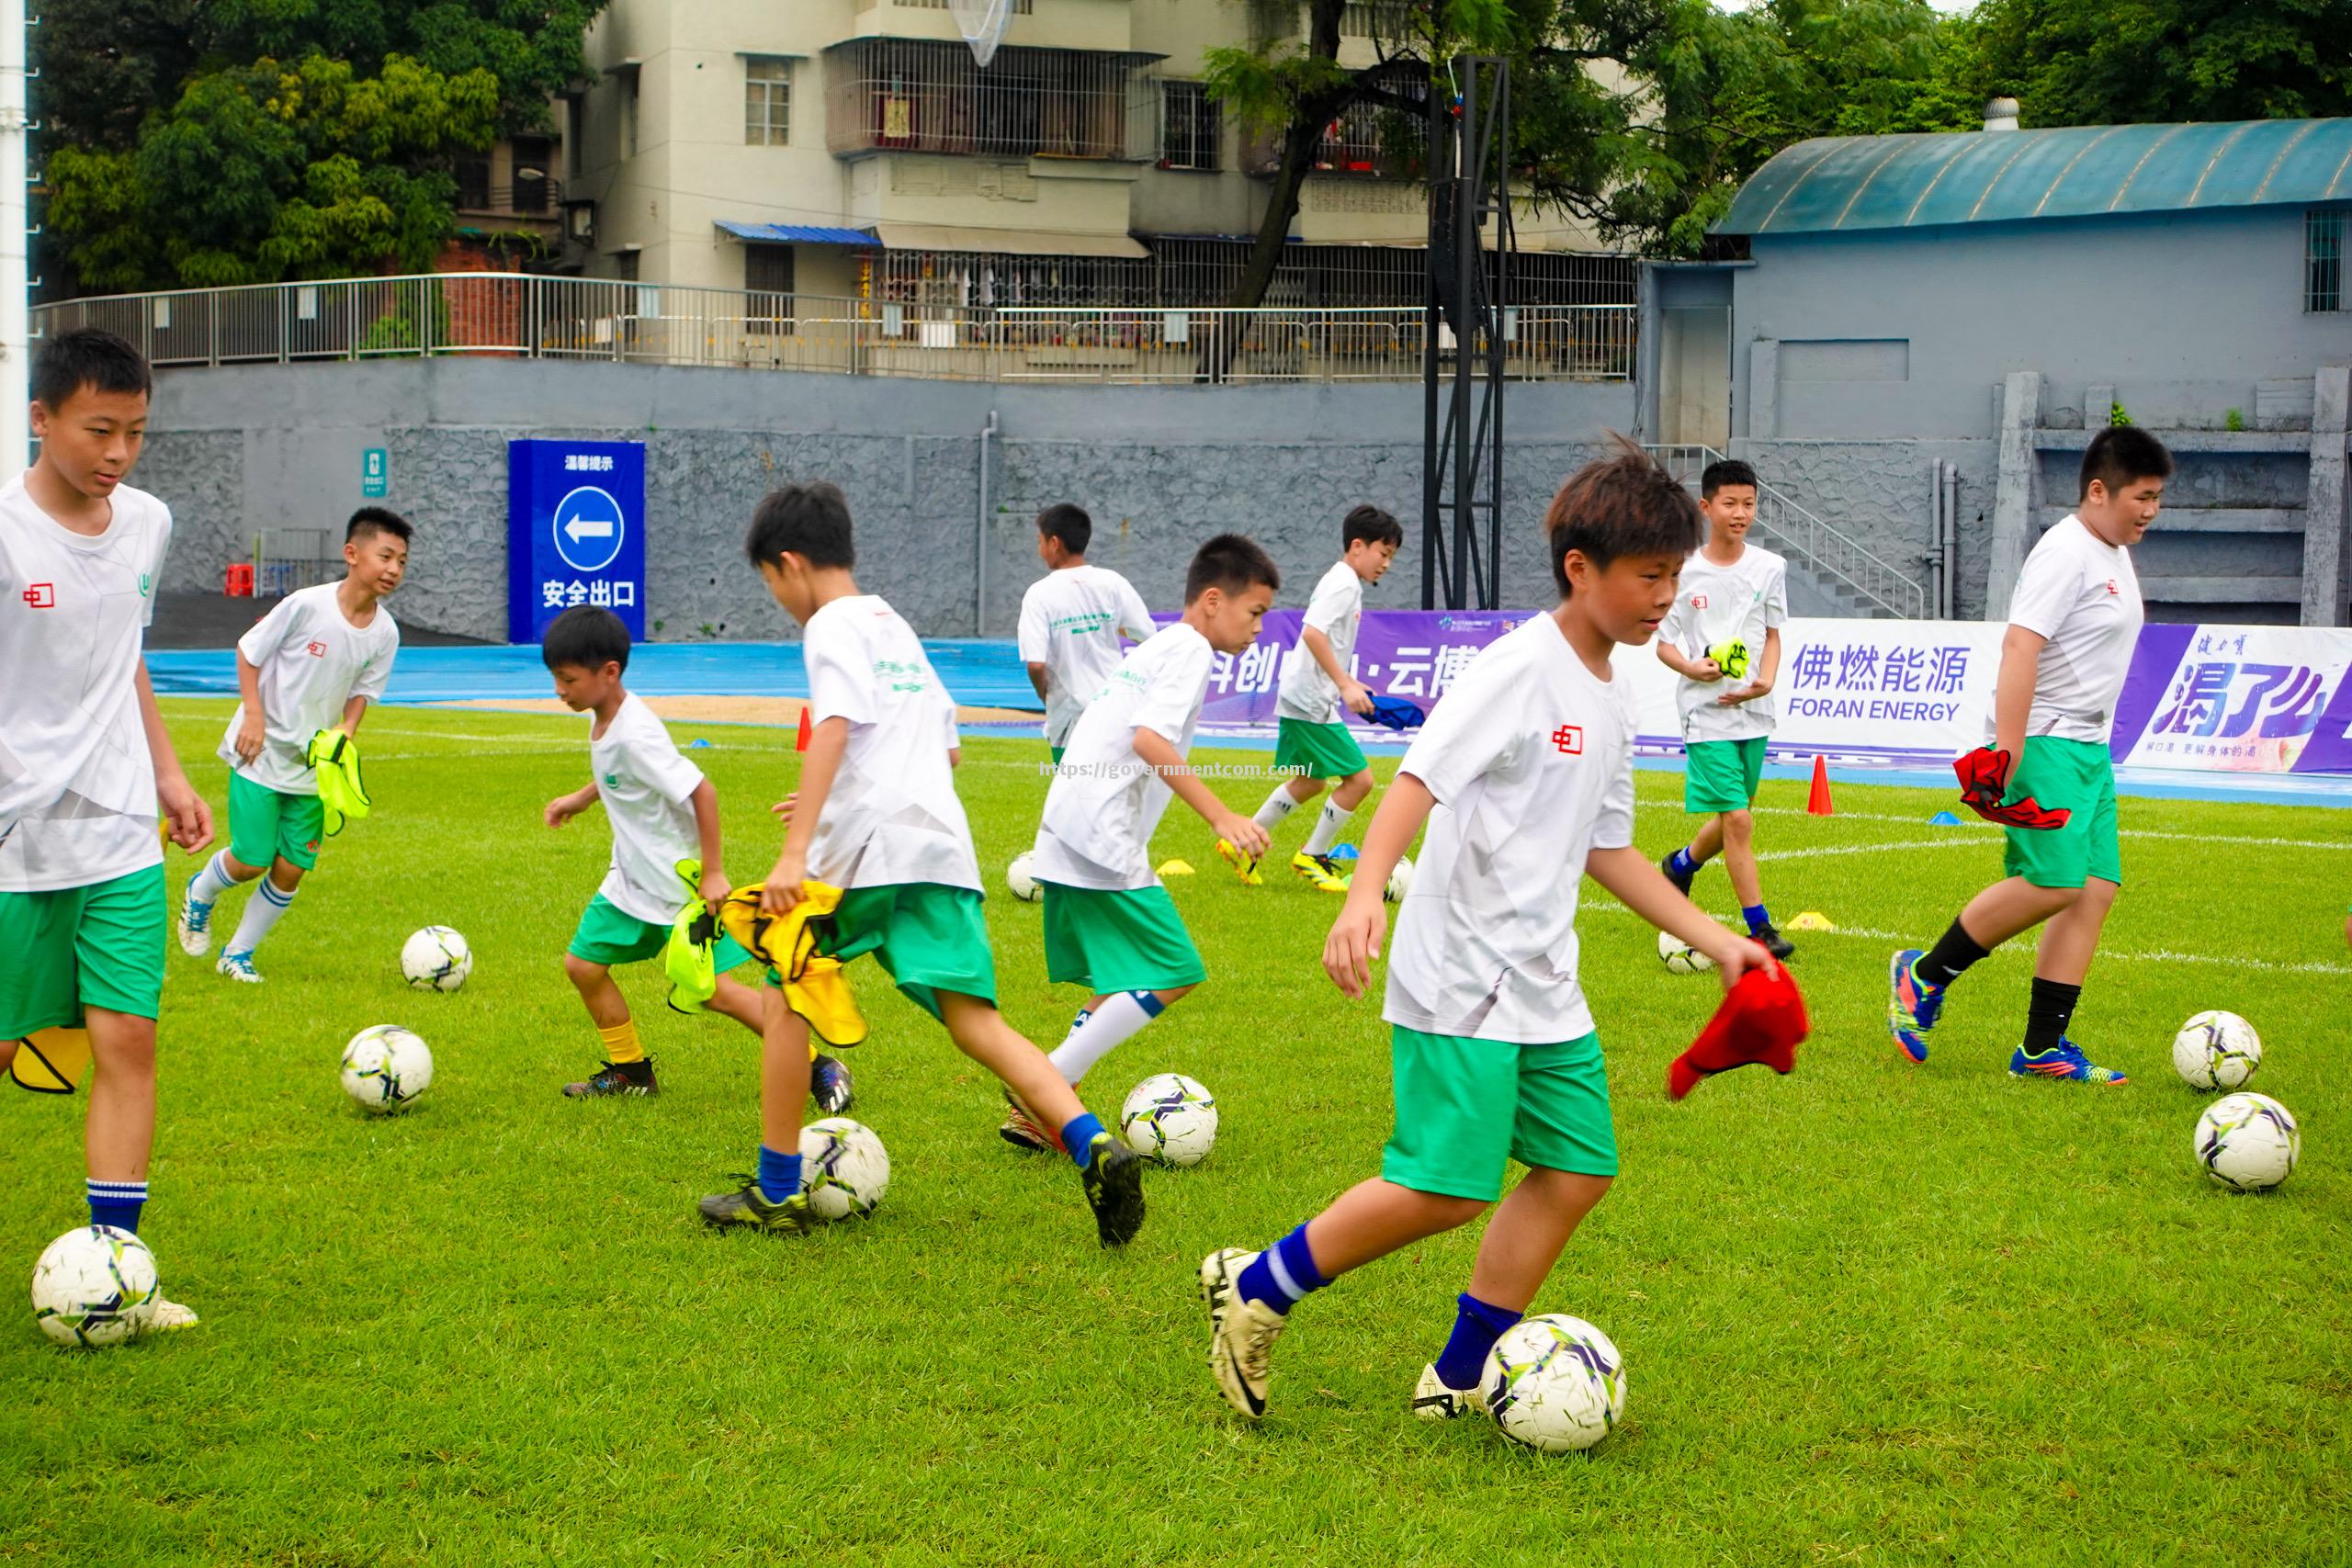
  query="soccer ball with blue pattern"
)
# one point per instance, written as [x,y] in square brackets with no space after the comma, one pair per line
[384,1068]
[93,1286]
[2248,1143]
[1169,1118]
[436,959]
[1555,1383]
[844,1169]
[2216,1050]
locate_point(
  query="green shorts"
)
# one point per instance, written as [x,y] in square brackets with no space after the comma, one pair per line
[98,946]
[2078,775]
[1722,775]
[1124,940]
[608,935]
[927,936]
[265,823]
[1316,751]
[1466,1108]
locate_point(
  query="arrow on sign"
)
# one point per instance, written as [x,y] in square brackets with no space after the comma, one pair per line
[584,528]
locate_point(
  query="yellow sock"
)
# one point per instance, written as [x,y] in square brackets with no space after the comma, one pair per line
[620,1044]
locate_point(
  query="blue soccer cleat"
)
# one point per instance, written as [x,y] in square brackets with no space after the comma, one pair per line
[1912,1005]
[2065,1062]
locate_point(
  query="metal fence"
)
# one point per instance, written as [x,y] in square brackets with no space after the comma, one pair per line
[1810,541]
[509,315]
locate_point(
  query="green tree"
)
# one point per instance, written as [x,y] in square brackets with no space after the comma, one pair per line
[2134,62]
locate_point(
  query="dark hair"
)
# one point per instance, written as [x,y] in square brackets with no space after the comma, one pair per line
[377,520]
[1068,523]
[2121,453]
[1724,471]
[1234,562]
[88,356]
[587,634]
[1371,525]
[1626,504]
[810,519]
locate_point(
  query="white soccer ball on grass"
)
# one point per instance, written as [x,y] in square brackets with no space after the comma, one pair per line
[1681,958]
[2248,1143]
[384,1068]
[436,959]
[93,1286]
[1555,1383]
[844,1168]
[2216,1050]
[1400,881]
[1169,1118]
[1016,876]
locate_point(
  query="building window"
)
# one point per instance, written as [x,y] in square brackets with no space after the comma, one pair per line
[767,278]
[473,185]
[1386,19]
[767,102]
[923,95]
[1188,126]
[533,190]
[625,262]
[1019,8]
[2324,261]
[629,116]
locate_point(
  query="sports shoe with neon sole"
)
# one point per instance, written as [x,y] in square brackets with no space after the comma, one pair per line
[749,1208]
[1113,1181]
[1433,1401]
[1321,872]
[196,928]
[1241,1334]
[1244,866]
[168,1317]
[613,1079]
[237,967]
[829,1086]
[1024,1131]
[1911,1004]
[2065,1061]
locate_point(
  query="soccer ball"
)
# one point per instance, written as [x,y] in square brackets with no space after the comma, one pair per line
[93,1286]
[2248,1143]
[1016,876]
[1680,956]
[1555,1383]
[1400,881]
[436,959]
[384,1068]
[2216,1050]
[1169,1118]
[844,1168]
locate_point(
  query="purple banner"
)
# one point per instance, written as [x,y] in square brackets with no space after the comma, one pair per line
[1412,654]
[2238,700]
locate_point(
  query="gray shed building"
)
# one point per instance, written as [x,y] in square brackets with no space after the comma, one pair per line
[1930,327]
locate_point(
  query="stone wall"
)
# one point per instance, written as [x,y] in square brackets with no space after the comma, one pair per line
[1878,493]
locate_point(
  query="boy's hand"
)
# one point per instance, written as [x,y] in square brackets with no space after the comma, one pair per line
[562,809]
[1354,942]
[1746,694]
[1243,833]
[251,736]
[1736,955]
[715,887]
[1357,695]
[783,890]
[1705,670]
[191,820]
[781,810]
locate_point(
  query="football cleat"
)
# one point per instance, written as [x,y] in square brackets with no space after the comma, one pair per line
[1113,1183]
[165,1316]
[1241,1334]
[2064,1061]
[1323,873]
[830,1085]
[747,1205]
[1768,936]
[1911,1004]
[238,967]
[196,928]
[1244,866]
[1681,882]
[1433,1401]
[616,1078]
[1024,1131]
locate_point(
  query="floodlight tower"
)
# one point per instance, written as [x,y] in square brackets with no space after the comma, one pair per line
[16,313]
[1467,321]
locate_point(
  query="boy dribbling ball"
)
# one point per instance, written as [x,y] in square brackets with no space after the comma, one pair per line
[1524,774]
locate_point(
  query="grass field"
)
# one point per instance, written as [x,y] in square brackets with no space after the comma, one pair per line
[1871,1312]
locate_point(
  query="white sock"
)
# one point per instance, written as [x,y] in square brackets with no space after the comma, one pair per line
[262,910]
[1104,1028]
[1279,804]
[1327,828]
[208,885]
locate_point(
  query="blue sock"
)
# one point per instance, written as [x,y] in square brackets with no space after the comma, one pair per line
[1476,1325]
[1078,1137]
[1682,863]
[779,1176]
[1283,1274]
[117,1203]
[1759,917]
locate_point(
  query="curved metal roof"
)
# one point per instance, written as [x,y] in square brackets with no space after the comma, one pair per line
[1841,183]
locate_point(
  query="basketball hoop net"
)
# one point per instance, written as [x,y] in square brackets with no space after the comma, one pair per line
[982,23]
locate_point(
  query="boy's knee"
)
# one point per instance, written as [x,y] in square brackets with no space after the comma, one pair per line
[1170,995]
[581,972]
[1738,824]
[285,875]
[1455,1212]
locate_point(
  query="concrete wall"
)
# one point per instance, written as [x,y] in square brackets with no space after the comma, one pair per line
[1160,468]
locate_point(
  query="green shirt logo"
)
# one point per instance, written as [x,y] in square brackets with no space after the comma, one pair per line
[612,781]
[144,583]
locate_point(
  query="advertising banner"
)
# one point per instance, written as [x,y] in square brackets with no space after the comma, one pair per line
[575,533]
[2238,700]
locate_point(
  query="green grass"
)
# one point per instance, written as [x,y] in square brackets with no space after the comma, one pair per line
[1871,1313]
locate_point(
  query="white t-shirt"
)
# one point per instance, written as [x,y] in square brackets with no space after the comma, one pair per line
[1336,610]
[1714,604]
[1531,758]
[311,660]
[1071,622]
[78,784]
[1106,801]
[892,815]
[2079,591]
[648,790]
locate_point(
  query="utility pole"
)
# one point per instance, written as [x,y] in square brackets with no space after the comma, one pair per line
[15,234]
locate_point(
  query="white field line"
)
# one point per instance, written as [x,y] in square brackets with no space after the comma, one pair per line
[1867,849]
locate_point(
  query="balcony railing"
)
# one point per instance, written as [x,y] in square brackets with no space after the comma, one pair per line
[928,95]
[511,315]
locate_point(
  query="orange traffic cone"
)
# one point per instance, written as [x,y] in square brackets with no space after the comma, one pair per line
[800,741]
[1818,802]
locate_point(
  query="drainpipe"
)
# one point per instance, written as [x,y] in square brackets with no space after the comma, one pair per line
[1951,540]
[980,534]
[1934,557]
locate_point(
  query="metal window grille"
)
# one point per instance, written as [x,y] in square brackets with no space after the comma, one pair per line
[923,96]
[2324,261]
[286,559]
[1202,272]
[962,280]
[1019,8]
[1190,127]
[1374,19]
[1369,139]
[767,102]
[473,185]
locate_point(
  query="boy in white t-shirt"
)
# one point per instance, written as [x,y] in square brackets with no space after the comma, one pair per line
[1071,621]
[1727,613]
[662,811]
[1110,925]
[1524,774]
[85,764]
[877,816]
[1312,745]
[2073,620]
[314,662]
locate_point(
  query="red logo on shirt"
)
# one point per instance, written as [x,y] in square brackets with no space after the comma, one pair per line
[2112,588]
[1569,739]
[42,596]
[1698,600]
[317,650]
